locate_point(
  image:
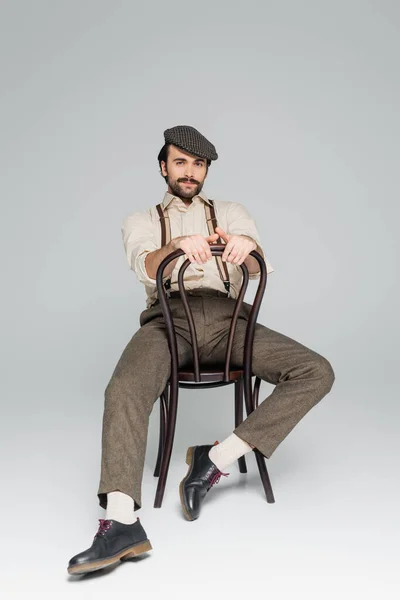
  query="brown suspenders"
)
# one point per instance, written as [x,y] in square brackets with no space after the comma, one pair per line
[211,224]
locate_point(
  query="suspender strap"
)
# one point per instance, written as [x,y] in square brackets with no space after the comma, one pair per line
[211,224]
[165,226]
[165,235]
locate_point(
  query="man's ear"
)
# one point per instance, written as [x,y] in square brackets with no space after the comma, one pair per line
[164,168]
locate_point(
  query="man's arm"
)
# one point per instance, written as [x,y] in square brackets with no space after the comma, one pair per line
[154,259]
[196,248]
[252,263]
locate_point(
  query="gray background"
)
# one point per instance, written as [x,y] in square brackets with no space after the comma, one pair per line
[301,100]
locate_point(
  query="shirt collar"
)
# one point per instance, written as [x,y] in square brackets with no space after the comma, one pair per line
[169,197]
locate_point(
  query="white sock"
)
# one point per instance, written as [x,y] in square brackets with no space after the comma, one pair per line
[225,453]
[120,507]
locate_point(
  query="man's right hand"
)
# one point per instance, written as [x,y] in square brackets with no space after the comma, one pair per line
[196,247]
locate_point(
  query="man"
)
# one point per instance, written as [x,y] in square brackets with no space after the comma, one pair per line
[301,376]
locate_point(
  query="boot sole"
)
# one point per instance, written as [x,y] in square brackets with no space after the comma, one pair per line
[130,552]
[189,458]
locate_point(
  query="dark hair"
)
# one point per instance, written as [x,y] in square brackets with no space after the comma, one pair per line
[163,156]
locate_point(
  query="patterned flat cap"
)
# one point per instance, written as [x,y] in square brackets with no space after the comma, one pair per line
[189,139]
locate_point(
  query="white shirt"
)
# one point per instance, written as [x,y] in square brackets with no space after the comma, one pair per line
[141,233]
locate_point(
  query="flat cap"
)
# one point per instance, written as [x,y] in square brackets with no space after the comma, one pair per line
[189,139]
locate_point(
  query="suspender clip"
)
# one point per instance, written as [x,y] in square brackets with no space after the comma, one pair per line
[228,288]
[167,286]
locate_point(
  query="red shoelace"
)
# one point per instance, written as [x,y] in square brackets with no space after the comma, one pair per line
[216,477]
[104,526]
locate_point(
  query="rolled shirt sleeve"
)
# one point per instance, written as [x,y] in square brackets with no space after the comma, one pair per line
[240,222]
[138,237]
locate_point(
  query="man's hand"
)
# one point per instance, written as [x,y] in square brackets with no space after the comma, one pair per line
[196,247]
[238,247]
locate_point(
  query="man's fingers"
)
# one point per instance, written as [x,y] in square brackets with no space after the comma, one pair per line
[229,248]
[212,238]
[222,233]
[197,248]
[207,252]
[200,253]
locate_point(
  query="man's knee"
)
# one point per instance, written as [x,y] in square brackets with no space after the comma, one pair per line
[326,374]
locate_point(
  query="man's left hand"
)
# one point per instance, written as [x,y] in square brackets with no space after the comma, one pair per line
[238,247]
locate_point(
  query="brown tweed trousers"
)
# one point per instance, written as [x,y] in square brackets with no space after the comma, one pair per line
[301,377]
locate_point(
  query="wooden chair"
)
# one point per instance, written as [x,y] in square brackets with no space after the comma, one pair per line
[208,378]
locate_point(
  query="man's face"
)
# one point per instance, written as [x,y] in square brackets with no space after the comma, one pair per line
[186,173]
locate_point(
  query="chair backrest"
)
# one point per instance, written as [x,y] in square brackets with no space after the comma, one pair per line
[216,249]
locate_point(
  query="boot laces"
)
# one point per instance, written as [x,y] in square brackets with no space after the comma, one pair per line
[216,476]
[104,526]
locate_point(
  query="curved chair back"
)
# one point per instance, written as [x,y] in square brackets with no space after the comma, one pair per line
[216,249]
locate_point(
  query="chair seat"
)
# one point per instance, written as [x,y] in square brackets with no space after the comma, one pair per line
[209,375]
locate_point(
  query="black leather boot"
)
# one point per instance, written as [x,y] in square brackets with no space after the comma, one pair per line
[113,542]
[201,476]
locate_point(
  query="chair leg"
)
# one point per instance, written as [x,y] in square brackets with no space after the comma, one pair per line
[262,467]
[163,424]
[251,400]
[169,440]
[264,476]
[239,418]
